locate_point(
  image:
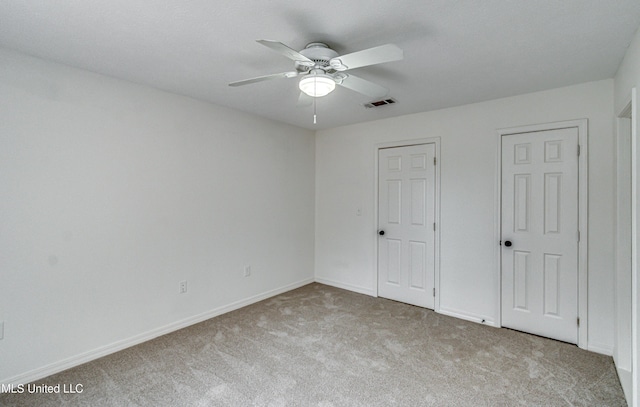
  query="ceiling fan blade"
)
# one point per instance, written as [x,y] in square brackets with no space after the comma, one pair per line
[371,56]
[287,52]
[265,78]
[364,86]
[304,100]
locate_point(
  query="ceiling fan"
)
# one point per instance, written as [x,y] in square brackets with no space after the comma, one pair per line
[321,68]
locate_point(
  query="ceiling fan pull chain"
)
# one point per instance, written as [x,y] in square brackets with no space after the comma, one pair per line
[314,101]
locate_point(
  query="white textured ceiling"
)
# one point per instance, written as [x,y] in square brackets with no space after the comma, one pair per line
[456,52]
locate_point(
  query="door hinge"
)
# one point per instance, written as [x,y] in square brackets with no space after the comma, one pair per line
[434,160]
[434,291]
[434,226]
[578,150]
[578,321]
[578,236]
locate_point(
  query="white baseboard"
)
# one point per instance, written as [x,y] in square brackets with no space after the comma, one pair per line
[348,287]
[85,357]
[467,316]
[600,348]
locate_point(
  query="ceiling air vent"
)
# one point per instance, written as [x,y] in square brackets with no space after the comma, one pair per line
[379,103]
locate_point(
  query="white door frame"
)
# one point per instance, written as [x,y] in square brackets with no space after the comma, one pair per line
[583,184]
[635,250]
[624,363]
[374,234]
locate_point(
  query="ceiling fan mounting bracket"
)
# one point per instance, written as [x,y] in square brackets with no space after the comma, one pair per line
[316,44]
[339,77]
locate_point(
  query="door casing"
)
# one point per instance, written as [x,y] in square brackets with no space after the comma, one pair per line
[582,126]
[623,331]
[404,143]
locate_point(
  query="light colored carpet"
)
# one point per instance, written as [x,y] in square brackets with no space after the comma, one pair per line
[322,346]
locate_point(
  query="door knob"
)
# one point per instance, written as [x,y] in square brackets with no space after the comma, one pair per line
[381,233]
[508,243]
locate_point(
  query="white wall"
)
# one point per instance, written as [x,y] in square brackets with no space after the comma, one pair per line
[627,78]
[111,193]
[345,243]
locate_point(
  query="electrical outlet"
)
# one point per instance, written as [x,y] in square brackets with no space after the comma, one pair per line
[247,271]
[183,287]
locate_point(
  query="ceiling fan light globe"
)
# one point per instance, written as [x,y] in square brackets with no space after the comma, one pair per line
[317,85]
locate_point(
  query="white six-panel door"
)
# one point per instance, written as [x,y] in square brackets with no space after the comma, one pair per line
[406,215]
[540,233]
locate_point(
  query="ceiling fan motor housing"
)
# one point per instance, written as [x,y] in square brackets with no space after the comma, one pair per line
[321,54]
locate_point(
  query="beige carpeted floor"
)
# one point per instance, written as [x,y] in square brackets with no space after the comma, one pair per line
[322,346]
